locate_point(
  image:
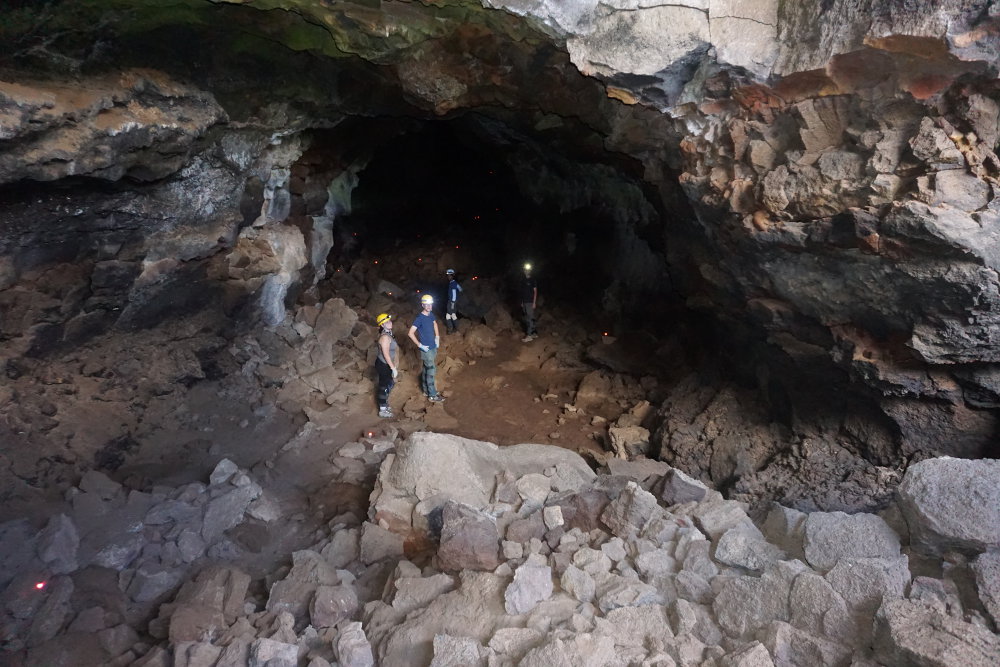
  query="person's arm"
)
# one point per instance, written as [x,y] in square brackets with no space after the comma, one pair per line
[534,296]
[383,343]
[437,335]
[413,336]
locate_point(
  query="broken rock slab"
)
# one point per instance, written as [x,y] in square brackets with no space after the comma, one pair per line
[987,569]
[415,472]
[910,633]
[952,503]
[830,536]
[532,583]
[469,539]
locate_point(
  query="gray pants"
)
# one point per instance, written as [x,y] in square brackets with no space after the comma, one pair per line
[430,370]
[529,318]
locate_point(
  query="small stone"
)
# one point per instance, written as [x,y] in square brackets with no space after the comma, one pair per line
[512,550]
[531,585]
[353,648]
[190,545]
[224,469]
[553,516]
[271,653]
[578,583]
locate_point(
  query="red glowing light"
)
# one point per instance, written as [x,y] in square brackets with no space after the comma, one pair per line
[420,259]
[376,261]
[456,247]
[40,585]
[475,277]
[371,433]
[605,333]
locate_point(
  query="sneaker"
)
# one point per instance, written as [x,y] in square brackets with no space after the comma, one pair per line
[385,412]
[436,398]
[527,339]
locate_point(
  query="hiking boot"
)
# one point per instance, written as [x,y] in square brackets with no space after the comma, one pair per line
[528,339]
[436,398]
[385,412]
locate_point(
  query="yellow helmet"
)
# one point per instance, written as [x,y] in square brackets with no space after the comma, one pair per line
[383,318]
[427,298]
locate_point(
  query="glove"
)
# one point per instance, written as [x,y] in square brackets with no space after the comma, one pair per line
[424,348]
[395,372]
[437,341]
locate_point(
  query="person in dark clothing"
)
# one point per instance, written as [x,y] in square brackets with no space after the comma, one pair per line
[528,292]
[451,314]
[424,333]
[385,363]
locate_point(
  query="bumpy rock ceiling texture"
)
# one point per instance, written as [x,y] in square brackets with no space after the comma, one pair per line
[836,159]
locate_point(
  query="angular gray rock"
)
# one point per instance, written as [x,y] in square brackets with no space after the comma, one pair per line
[57,545]
[751,655]
[987,569]
[578,583]
[952,504]
[865,582]
[791,646]
[224,469]
[830,536]
[378,544]
[744,546]
[332,604]
[271,653]
[458,652]
[676,487]
[353,649]
[909,633]
[531,585]
[469,539]
[747,604]
[628,513]
[226,511]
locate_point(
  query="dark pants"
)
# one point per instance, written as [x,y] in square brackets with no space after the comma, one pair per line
[529,318]
[385,382]
[430,370]
[451,317]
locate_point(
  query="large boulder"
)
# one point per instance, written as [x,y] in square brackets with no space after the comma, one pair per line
[910,633]
[431,468]
[952,504]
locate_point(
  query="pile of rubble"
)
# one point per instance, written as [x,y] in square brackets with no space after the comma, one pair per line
[646,566]
[473,554]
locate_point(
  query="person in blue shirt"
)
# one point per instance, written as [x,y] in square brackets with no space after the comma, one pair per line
[451,314]
[424,332]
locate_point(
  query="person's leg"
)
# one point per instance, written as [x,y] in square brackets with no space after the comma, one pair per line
[451,317]
[385,384]
[430,370]
[529,319]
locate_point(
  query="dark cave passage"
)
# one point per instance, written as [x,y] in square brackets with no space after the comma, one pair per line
[439,195]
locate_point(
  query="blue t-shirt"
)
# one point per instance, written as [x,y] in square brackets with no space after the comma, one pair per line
[425,329]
